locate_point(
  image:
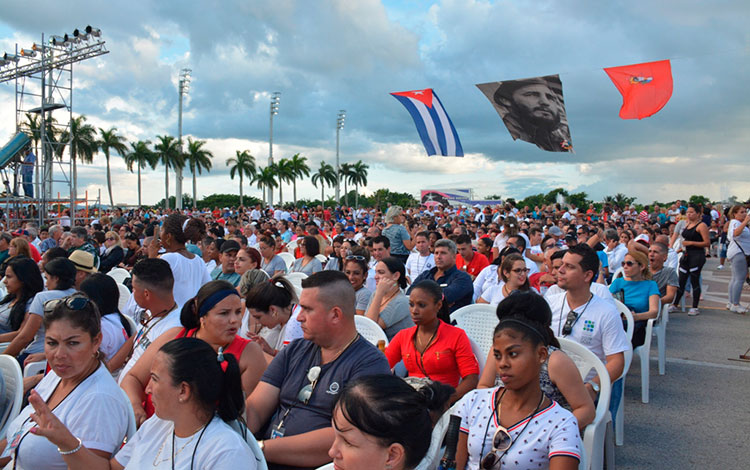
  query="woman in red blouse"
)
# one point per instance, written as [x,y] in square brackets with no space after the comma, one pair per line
[433,348]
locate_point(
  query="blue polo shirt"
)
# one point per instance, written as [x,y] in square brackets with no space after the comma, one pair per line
[457,286]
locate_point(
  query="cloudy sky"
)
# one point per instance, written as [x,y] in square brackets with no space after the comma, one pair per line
[327,55]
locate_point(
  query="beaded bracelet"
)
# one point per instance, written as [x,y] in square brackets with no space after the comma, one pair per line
[68,452]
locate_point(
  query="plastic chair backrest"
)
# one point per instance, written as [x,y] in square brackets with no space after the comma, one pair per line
[430,460]
[13,390]
[624,310]
[291,246]
[133,325]
[241,428]
[122,302]
[288,259]
[370,330]
[33,368]
[322,258]
[118,274]
[478,321]
[585,360]
[295,279]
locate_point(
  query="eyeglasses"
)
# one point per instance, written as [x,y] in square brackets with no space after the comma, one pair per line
[628,263]
[520,270]
[356,257]
[312,375]
[501,442]
[569,322]
[110,239]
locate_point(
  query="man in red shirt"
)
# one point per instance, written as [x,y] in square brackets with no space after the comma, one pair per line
[467,259]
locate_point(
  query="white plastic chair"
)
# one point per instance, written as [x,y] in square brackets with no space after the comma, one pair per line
[328,466]
[118,274]
[241,428]
[370,330]
[3,347]
[654,326]
[478,321]
[288,259]
[599,433]
[322,258]
[122,302]
[295,279]
[431,459]
[620,414]
[13,390]
[133,324]
[33,368]
[291,246]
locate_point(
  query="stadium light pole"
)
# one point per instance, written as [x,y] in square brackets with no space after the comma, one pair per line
[339,125]
[275,99]
[183,88]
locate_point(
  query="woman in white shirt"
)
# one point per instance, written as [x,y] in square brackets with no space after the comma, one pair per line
[504,426]
[514,274]
[737,252]
[189,270]
[78,393]
[195,394]
[271,304]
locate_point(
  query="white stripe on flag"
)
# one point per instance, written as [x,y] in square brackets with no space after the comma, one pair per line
[428,123]
[450,142]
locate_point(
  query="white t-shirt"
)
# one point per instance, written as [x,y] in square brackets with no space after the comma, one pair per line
[189,275]
[220,448]
[494,295]
[210,266]
[113,335]
[96,412]
[291,331]
[37,308]
[417,263]
[552,432]
[598,326]
[148,333]
[599,290]
[500,241]
[487,278]
[616,257]
[743,239]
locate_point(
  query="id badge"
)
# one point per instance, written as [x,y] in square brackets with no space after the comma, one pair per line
[12,444]
[278,431]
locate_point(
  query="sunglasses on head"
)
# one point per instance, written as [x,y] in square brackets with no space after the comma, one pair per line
[72,302]
[356,257]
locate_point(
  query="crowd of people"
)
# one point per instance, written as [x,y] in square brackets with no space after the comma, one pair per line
[219,341]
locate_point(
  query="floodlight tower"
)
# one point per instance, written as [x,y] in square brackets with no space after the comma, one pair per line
[275,99]
[339,125]
[184,88]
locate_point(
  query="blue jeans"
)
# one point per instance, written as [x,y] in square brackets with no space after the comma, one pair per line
[615,398]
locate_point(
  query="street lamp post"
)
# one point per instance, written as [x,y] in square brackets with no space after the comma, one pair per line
[184,87]
[275,99]
[339,125]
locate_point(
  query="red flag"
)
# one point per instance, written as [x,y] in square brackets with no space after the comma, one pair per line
[645,88]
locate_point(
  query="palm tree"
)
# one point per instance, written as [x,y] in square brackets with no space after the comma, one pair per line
[326,174]
[168,153]
[243,165]
[359,178]
[284,173]
[199,159]
[346,173]
[83,145]
[300,169]
[141,156]
[266,180]
[111,141]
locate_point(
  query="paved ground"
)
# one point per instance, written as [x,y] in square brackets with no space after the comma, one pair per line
[698,416]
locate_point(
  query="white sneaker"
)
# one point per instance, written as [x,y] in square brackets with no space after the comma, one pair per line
[720,267]
[673,308]
[738,309]
[693,312]
[729,306]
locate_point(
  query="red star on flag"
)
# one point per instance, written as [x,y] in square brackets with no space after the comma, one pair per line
[425,96]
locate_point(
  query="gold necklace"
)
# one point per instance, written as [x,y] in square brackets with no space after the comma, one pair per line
[342,350]
[158,454]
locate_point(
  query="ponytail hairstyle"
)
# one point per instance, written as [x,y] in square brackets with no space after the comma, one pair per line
[102,290]
[184,229]
[436,394]
[278,291]
[30,277]
[213,379]
[529,314]
[391,411]
[394,265]
[434,290]
[204,301]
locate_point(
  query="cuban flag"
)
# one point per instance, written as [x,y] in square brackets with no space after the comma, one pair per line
[433,124]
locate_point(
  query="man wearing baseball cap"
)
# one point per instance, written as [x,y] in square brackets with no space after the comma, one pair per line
[225,272]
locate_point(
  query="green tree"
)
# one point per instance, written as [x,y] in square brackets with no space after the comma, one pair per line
[243,164]
[226,200]
[698,199]
[265,178]
[111,141]
[140,156]
[168,153]
[284,173]
[326,175]
[83,145]
[580,200]
[199,159]
[359,178]
[300,169]
[383,197]
[346,173]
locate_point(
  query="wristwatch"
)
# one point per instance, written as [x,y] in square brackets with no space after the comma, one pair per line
[593,384]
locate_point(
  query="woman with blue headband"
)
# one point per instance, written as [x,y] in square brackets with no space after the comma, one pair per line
[215,316]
